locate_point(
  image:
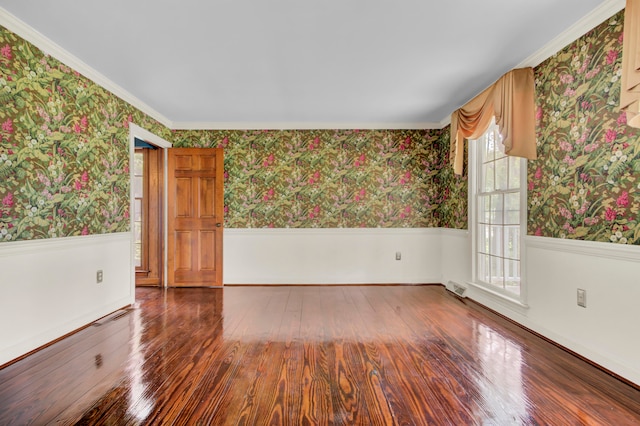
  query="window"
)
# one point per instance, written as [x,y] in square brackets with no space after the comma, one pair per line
[147,215]
[140,210]
[499,195]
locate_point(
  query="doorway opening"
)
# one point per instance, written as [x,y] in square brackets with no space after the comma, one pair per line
[192,178]
[148,207]
[148,168]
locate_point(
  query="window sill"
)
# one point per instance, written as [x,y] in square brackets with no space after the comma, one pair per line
[500,298]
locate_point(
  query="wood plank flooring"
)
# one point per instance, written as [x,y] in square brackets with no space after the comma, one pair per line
[362,355]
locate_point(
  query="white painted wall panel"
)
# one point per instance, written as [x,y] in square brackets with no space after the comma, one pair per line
[48,287]
[331,256]
[456,255]
[606,331]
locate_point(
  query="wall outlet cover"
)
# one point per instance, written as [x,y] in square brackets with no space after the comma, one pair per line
[582,298]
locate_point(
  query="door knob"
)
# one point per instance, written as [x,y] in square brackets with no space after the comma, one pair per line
[218,225]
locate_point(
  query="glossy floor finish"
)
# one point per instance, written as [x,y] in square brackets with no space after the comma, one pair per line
[366,355]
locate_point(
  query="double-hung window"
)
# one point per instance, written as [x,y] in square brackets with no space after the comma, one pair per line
[498,222]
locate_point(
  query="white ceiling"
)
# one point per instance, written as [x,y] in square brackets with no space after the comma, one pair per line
[302,63]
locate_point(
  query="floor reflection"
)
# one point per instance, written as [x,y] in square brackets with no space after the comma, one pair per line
[76,373]
[157,334]
[139,406]
[308,355]
[500,380]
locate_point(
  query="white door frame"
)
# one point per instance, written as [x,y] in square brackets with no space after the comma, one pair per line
[136,131]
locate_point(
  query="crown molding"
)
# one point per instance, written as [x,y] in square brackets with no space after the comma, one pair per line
[49,47]
[597,16]
[445,122]
[206,125]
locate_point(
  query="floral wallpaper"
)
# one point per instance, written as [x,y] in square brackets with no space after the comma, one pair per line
[64,158]
[452,211]
[335,178]
[64,163]
[63,148]
[586,181]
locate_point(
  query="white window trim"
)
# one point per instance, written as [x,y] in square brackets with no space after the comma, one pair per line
[518,301]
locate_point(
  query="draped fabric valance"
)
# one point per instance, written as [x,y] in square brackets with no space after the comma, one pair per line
[510,101]
[630,91]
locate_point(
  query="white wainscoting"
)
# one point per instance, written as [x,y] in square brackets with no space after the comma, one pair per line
[606,331]
[331,256]
[456,255]
[48,287]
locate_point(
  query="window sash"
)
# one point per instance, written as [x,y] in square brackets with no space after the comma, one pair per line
[498,216]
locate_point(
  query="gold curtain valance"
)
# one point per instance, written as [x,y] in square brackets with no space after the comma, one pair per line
[510,101]
[630,91]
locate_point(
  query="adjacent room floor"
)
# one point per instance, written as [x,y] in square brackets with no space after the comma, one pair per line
[369,355]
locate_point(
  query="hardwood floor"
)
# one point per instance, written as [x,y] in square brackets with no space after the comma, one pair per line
[366,355]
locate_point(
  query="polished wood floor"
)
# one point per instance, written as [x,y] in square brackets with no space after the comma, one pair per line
[365,355]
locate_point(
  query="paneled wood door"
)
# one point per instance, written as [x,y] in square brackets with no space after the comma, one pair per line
[195,218]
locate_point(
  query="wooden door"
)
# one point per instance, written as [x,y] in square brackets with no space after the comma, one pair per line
[195,217]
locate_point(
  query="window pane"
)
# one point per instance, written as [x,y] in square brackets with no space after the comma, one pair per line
[484,209]
[514,172]
[502,173]
[483,268]
[138,163]
[512,208]
[487,177]
[488,149]
[496,271]
[480,151]
[511,242]
[137,231]
[138,255]
[496,241]
[499,147]
[483,239]
[512,276]
[497,209]
[137,210]
[137,186]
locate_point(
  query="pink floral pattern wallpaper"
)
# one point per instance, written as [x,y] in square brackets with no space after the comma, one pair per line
[335,178]
[63,148]
[64,158]
[586,182]
[64,163]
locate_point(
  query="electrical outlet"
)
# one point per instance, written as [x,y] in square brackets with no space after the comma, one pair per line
[398,255]
[582,298]
[99,276]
